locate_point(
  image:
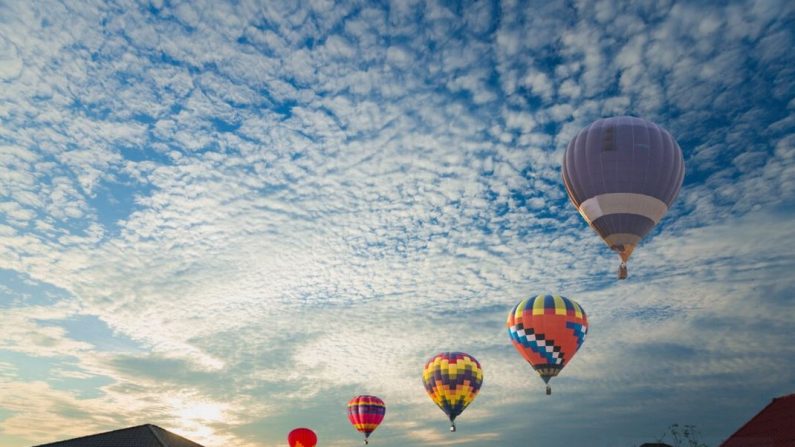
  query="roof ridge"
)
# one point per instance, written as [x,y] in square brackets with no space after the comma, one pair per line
[151,428]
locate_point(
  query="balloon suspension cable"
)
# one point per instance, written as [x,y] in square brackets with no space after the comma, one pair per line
[549,390]
[622,271]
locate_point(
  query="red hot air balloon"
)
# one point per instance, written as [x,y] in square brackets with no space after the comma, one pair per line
[302,437]
[547,331]
[623,174]
[366,413]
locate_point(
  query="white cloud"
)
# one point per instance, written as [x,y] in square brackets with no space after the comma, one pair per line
[10,61]
[391,190]
[539,84]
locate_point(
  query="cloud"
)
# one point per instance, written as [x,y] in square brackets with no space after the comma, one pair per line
[270,207]
[12,64]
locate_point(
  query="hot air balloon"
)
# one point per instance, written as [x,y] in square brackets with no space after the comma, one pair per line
[366,413]
[547,331]
[302,437]
[623,174]
[452,380]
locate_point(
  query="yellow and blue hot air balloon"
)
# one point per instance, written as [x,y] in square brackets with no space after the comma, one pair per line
[452,380]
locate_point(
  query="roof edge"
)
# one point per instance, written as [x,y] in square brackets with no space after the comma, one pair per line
[92,435]
[756,415]
[151,428]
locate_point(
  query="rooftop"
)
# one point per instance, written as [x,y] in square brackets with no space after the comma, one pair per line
[771,427]
[146,435]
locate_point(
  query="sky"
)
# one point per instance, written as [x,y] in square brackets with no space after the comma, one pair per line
[228,219]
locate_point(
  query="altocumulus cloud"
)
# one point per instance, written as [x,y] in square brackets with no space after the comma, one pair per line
[228,218]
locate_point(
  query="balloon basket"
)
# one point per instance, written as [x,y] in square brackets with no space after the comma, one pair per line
[622,271]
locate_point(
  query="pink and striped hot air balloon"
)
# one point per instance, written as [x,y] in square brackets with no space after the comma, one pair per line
[366,413]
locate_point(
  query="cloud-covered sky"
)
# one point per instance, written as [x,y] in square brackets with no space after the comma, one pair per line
[227,219]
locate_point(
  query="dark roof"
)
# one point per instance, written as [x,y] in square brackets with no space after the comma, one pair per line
[771,427]
[147,435]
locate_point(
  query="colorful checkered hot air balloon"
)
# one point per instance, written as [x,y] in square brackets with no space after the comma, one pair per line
[366,413]
[623,174]
[452,380]
[547,331]
[302,437]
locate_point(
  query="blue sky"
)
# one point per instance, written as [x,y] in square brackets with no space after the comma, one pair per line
[228,219]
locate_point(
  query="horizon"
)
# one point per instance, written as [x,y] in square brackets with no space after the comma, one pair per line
[228,219]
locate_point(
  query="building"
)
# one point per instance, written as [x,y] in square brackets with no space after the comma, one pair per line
[147,435]
[774,426]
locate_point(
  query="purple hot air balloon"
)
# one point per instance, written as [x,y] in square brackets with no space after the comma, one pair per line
[622,174]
